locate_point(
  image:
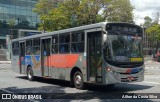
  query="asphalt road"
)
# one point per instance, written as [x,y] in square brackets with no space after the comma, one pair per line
[11,82]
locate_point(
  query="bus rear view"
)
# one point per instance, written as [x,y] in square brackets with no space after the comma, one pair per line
[123,53]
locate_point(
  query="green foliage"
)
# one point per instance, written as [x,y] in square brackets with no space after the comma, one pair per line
[83,12]
[147,21]
[154,29]
[51,15]
[11,23]
[120,11]
[61,14]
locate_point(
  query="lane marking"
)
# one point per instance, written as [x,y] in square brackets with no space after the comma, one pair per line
[6,91]
[153,67]
[151,82]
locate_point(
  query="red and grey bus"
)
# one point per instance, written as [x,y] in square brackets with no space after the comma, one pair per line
[104,53]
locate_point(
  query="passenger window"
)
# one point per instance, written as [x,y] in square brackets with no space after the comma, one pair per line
[77,44]
[36,46]
[15,48]
[54,44]
[64,43]
[29,49]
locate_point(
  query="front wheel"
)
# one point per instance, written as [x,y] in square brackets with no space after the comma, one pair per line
[78,80]
[30,75]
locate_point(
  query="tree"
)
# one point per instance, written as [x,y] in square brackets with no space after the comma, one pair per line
[154,29]
[120,11]
[11,24]
[61,14]
[43,9]
[153,35]
[147,21]
[83,12]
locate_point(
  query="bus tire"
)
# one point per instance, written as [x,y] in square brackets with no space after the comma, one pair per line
[30,75]
[78,80]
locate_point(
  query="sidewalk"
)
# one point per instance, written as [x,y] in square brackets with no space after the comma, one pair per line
[5,65]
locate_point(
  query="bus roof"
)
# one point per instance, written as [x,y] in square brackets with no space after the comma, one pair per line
[69,30]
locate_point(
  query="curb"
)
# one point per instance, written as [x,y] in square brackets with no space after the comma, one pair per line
[4,68]
[5,62]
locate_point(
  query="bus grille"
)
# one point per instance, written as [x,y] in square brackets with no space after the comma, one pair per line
[129,73]
[126,79]
[130,66]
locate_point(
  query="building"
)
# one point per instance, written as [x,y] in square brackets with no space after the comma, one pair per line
[20,11]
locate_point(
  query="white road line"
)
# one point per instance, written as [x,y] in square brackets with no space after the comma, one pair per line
[152,67]
[6,91]
[15,93]
[151,82]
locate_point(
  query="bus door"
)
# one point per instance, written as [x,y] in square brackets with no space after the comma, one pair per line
[22,57]
[94,55]
[45,56]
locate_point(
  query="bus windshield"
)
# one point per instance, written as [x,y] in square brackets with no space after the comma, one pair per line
[125,48]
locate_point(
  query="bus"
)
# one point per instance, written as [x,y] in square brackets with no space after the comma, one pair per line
[101,53]
[17,33]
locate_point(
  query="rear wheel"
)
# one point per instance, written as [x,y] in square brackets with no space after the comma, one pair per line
[78,80]
[30,75]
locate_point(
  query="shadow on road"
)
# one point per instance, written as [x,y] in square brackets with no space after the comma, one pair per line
[49,81]
[122,88]
[101,93]
[117,88]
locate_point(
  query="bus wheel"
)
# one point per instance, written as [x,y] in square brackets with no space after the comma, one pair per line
[78,80]
[30,74]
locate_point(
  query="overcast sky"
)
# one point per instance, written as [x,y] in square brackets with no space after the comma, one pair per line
[145,8]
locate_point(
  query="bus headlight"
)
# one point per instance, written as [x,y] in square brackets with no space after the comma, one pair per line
[108,69]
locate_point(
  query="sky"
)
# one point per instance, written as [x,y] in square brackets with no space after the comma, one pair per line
[145,8]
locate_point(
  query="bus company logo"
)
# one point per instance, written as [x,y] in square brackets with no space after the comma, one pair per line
[6,96]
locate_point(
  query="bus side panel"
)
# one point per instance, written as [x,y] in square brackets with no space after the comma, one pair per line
[81,64]
[15,64]
[35,62]
[62,64]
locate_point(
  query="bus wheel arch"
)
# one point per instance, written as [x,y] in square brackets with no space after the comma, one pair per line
[30,74]
[76,77]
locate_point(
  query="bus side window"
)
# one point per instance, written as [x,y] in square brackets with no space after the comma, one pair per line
[77,44]
[15,48]
[29,49]
[54,44]
[64,43]
[36,46]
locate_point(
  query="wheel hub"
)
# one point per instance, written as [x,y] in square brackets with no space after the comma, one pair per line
[29,74]
[78,79]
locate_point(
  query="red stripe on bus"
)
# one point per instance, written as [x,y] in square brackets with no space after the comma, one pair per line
[128,70]
[62,60]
